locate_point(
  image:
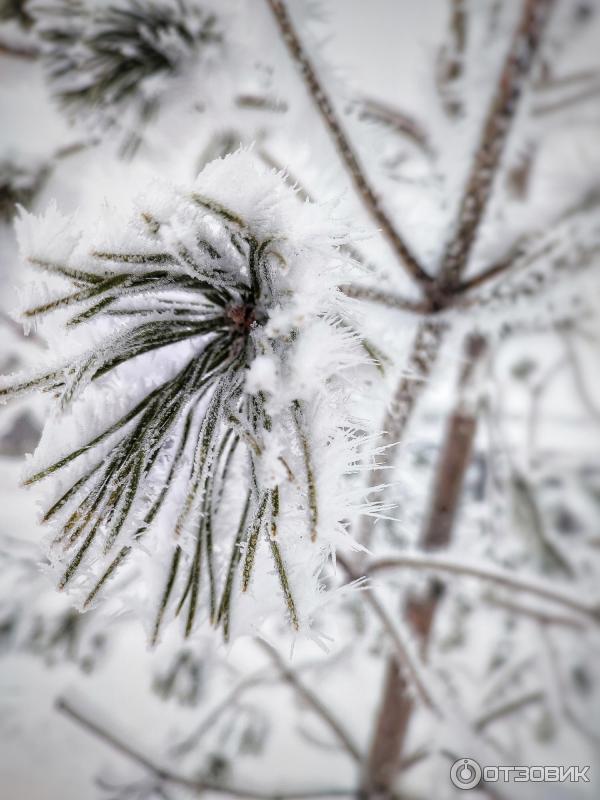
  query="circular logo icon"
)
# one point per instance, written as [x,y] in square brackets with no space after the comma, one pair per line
[465,773]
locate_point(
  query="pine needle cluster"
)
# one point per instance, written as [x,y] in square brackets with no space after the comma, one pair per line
[231,449]
[101,56]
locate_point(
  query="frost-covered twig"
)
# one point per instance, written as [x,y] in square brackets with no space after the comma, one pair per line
[497,128]
[367,193]
[404,656]
[388,741]
[421,360]
[312,700]
[539,615]
[501,577]
[538,255]
[385,298]
[564,103]
[508,708]
[398,121]
[165,775]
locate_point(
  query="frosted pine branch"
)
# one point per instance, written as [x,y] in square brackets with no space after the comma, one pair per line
[102,57]
[211,440]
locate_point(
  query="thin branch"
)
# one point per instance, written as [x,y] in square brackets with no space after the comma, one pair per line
[312,700]
[560,81]
[385,298]
[356,171]
[539,615]
[496,130]
[421,360]
[371,109]
[187,744]
[531,247]
[563,103]
[510,707]
[260,103]
[501,577]
[406,659]
[167,776]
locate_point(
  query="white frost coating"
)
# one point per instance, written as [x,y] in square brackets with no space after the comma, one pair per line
[223,497]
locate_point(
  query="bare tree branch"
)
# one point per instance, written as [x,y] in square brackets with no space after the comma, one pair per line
[398,704]
[356,171]
[167,776]
[490,149]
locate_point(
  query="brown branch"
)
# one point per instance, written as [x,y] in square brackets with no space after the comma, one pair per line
[398,704]
[312,700]
[344,148]
[496,130]
[198,786]
[421,360]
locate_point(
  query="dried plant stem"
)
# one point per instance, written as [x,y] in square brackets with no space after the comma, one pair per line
[366,192]
[197,786]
